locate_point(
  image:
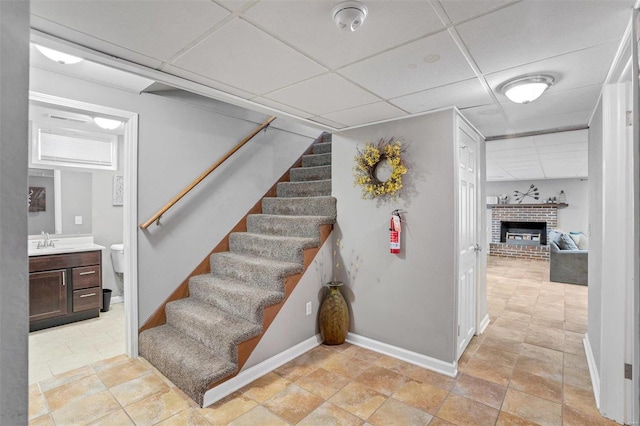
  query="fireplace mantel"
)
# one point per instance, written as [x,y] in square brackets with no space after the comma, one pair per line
[556,205]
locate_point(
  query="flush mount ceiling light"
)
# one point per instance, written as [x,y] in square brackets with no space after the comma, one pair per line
[349,15]
[59,57]
[107,123]
[523,90]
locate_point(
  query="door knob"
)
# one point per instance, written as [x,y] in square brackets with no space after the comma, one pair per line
[477,247]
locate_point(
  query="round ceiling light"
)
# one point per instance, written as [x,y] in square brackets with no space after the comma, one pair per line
[523,90]
[349,15]
[59,57]
[107,123]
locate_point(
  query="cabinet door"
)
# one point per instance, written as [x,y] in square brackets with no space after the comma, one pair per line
[47,294]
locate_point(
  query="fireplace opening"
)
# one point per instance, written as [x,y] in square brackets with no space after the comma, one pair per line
[523,233]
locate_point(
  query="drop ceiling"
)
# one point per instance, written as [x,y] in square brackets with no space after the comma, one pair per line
[409,57]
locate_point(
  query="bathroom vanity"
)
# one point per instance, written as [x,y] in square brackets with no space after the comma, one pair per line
[65,285]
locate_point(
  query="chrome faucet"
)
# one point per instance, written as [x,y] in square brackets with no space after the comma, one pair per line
[46,241]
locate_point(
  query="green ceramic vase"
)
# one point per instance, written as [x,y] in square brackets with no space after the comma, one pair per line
[334,316]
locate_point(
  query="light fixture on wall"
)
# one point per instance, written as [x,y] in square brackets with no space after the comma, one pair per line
[59,57]
[349,15]
[523,90]
[107,123]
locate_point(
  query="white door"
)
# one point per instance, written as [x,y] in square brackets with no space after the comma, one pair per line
[467,235]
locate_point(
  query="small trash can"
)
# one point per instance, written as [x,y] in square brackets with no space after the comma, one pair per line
[106,299]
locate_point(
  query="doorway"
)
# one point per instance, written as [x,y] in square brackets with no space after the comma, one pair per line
[126,172]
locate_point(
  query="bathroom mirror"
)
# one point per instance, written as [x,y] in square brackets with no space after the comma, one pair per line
[59,202]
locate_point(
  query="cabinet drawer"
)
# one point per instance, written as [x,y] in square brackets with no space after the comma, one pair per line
[86,276]
[86,299]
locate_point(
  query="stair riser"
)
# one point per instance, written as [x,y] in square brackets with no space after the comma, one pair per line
[293,207]
[305,174]
[318,188]
[287,251]
[253,274]
[316,160]
[280,226]
[322,148]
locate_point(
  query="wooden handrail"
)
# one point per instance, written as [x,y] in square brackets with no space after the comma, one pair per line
[156,217]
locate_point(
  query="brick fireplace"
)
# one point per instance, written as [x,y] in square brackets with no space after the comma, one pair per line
[522,230]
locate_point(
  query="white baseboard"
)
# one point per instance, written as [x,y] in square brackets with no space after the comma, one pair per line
[117,299]
[483,324]
[593,369]
[442,367]
[250,374]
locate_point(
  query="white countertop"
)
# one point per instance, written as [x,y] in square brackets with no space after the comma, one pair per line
[63,245]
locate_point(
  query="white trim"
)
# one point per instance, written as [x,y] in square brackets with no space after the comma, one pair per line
[483,324]
[57,204]
[250,374]
[447,368]
[593,369]
[130,225]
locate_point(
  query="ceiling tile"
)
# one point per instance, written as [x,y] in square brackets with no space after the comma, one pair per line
[410,68]
[573,70]
[551,122]
[461,10]
[236,5]
[308,25]
[482,115]
[573,148]
[243,56]
[366,114]
[489,130]
[558,103]
[322,95]
[533,30]
[281,107]
[555,139]
[465,94]
[158,29]
[510,144]
[326,122]
[170,69]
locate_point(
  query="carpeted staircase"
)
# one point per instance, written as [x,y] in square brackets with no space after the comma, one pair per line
[198,345]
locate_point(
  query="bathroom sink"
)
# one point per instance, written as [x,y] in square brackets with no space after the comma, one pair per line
[63,245]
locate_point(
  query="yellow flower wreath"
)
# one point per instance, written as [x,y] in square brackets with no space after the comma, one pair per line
[364,172]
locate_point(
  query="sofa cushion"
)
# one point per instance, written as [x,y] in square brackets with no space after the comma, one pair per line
[554,236]
[575,236]
[567,243]
[583,244]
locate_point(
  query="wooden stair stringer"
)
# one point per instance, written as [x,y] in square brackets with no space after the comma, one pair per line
[270,312]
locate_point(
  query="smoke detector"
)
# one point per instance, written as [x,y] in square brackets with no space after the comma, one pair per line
[349,15]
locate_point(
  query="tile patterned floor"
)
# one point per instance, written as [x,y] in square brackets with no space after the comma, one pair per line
[60,349]
[528,368]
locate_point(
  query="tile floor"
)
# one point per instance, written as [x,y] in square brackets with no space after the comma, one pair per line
[60,349]
[528,368]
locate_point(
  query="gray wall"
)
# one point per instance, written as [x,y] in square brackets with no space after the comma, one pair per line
[292,326]
[14,324]
[595,232]
[575,217]
[405,300]
[75,200]
[177,141]
[46,220]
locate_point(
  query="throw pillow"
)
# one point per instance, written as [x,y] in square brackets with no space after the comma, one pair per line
[566,243]
[584,242]
[575,236]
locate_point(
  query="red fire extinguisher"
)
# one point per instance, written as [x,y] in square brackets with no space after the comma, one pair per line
[394,232]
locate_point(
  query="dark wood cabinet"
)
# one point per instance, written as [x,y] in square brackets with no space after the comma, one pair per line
[47,294]
[64,288]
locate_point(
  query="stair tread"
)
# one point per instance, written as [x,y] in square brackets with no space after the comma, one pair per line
[277,264]
[324,220]
[183,360]
[307,242]
[236,328]
[233,295]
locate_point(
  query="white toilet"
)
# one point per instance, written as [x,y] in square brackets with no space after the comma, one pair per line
[117,258]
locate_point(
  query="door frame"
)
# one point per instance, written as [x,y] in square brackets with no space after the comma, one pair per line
[130,207]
